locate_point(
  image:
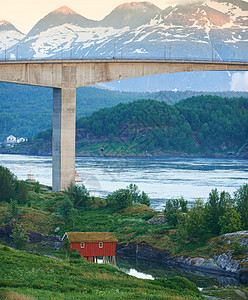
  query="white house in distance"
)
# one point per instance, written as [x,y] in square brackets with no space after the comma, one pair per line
[12,140]
[21,140]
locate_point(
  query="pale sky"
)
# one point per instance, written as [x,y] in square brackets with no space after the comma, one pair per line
[24,14]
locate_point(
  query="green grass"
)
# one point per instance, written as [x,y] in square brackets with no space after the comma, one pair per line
[228,294]
[45,278]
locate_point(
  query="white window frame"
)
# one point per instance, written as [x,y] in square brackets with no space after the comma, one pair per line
[82,245]
[101,245]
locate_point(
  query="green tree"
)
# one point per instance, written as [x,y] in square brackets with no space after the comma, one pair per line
[67,246]
[182,233]
[144,199]
[37,187]
[174,209]
[213,212]
[21,191]
[66,208]
[241,201]
[137,196]
[217,206]
[13,208]
[79,196]
[20,236]
[120,199]
[134,191]
[73,213]
[183,205]
[7,184]
[225,204]
[230,221]
[196,219]
[171,212]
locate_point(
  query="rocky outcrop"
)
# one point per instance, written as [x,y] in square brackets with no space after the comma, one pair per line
[157,219]
[51,241]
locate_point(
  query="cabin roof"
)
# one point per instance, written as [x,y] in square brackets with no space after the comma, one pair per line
[90,236]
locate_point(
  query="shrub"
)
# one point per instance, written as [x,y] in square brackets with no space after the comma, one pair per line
[78,195]
[7,184]
[37,187]
[75,254]
[20,236]
[120,199]
[65,208]
[21,191]
[13,208]
[6,248]
[238,248]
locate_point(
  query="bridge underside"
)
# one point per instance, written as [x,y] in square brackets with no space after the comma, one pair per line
[65,76]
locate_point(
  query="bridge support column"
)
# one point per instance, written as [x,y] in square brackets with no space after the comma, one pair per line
[64,133]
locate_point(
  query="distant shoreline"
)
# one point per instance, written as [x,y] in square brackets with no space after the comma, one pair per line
[176,155]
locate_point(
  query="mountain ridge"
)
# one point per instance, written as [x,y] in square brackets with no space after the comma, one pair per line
[207,30]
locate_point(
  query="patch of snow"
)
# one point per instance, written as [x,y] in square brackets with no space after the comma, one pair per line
[9,38]
[140,51]
[228,8]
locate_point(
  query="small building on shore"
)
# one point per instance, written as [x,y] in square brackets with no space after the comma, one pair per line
[10,141]
[77,177]
[30,177]
[93,245]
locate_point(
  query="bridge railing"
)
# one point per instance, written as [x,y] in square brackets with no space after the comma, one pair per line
[179,59]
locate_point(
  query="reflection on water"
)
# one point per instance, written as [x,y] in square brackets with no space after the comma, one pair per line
[160,178]
[151,270]
[137,274]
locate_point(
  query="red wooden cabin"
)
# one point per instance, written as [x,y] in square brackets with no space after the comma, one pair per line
[91,245]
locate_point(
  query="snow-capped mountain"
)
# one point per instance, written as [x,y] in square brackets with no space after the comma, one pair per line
[9,36]
[211,29]
[59,17]
[132,14]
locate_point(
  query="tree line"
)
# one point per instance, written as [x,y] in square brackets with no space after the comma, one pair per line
[194,125]
[197,125]
[219,215]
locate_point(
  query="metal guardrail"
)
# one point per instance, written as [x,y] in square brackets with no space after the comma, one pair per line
[174,59]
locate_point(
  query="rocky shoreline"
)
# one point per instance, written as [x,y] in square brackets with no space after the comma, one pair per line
[222,264]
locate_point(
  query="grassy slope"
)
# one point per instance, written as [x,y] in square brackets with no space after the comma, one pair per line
[46,278]
[32,276]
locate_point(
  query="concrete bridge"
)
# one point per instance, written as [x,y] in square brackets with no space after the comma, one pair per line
[65,76]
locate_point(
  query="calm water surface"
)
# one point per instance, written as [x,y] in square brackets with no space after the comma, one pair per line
[160,178]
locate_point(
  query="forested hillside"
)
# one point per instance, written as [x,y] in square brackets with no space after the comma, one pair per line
[202,125]
[27,110]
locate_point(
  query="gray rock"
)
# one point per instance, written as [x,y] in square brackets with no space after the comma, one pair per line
[157,219]
[236,234]
[57,229]
[226,262]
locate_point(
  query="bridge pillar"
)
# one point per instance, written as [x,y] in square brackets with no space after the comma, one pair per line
[63,144]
